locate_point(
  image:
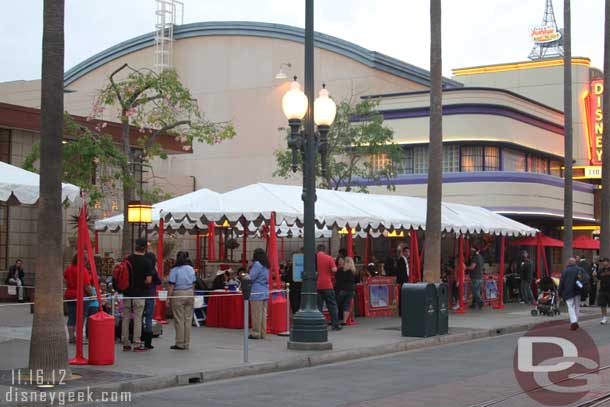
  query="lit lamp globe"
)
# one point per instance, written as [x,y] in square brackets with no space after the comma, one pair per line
[294,102]
[324,109]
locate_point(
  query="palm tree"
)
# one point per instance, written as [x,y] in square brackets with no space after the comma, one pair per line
[567,109]
[48,345]
[605,216]
[432,245]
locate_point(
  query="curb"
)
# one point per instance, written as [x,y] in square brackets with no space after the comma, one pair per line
[297,362]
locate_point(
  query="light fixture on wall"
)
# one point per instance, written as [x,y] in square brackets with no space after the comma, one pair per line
[281,75]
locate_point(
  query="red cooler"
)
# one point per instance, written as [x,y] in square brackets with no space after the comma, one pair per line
[101,339]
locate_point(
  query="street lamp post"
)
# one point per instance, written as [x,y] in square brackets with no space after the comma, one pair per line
[308,324]
[138,212]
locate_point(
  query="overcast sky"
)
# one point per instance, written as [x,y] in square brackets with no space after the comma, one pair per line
[475,32]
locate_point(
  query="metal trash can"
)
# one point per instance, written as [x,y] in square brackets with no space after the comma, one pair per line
[419,310]
[442,291]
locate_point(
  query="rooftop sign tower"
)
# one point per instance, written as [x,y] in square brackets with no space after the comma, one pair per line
[547,37]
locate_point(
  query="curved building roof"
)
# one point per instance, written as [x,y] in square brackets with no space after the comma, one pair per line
[367,57]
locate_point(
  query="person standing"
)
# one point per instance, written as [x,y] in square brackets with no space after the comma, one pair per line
[140,277]
[71,279]
[476,277]
[259,276]
[569,287]
[526,275]
[15,277]
[149,303]
[181,280]
[390,265]
[326,294]
[345,287]
[603,274]
[584,264]
[594,280]
[402,272]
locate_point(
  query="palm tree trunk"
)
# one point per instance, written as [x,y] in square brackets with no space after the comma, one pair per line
[567,109]
[605,213]
[432,261]
[48,345]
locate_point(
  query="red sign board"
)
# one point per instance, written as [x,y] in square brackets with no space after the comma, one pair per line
[595,126]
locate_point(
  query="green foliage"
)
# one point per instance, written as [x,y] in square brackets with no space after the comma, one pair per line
[89,160]
[158,103]
[357,134]
[154,195]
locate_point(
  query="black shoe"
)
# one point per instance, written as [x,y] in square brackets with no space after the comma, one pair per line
[337,328]
[174,347]
[148,340]
[252,337]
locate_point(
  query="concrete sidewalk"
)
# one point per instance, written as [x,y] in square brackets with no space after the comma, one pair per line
[217,353]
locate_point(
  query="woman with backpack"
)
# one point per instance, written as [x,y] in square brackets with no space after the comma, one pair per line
[181,279]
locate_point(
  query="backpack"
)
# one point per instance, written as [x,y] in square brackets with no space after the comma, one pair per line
[121,276]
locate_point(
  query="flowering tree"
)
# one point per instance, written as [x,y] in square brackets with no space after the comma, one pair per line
[157,104]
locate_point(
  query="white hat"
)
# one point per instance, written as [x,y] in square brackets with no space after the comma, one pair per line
[220,272]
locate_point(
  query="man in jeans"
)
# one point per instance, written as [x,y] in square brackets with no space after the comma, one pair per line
[525,276]
[476,278]
[15,277]
[140,277]
[326,267]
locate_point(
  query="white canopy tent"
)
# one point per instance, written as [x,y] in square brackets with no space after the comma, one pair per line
[255,203]
[202,199]
[19,186]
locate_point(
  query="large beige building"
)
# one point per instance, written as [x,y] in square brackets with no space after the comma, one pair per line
[503,124]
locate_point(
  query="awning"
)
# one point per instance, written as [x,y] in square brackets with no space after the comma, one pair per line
[585,243]
[18,186]
[545,241]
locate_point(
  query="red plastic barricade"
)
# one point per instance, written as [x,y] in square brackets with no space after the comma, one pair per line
[101,339]
[276,314]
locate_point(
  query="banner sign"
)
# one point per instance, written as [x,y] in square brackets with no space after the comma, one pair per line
[595,114]
[544,35]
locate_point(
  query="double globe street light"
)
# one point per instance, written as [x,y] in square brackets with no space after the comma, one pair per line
[308,324]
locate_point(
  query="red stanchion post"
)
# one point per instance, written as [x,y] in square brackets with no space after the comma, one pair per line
[79,359]
[461,272]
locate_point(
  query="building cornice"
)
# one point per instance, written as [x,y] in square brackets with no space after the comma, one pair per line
[350,50]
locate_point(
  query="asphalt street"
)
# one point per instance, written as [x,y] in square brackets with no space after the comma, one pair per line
[453,375]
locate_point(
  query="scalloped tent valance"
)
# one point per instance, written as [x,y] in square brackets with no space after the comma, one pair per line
[18,186]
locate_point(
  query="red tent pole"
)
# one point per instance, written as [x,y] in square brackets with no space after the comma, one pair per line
[460,276]
[366,249]
[350,242]
[211,241]
[244,255]
[79,359]
[418,258]
[197,250]
[221,244]
[500,304]
[97,242]
[412,263]
[538,250]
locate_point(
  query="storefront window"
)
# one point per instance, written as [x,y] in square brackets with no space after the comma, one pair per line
[537,164]
[555,168]
[513,160]
[492,158]
[472,159]
[451,158]
[379,162]
[406,164]
[420,160]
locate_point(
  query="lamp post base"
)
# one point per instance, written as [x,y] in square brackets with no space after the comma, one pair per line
[309,331]
[309,345]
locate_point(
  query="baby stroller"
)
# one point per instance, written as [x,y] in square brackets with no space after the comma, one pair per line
[548,303]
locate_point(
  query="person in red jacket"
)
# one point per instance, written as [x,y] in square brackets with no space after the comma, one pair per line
[326,293]
[70,276]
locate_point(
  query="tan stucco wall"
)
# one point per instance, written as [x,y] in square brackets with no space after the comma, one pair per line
[502,195]
[232,77]
[546,86]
